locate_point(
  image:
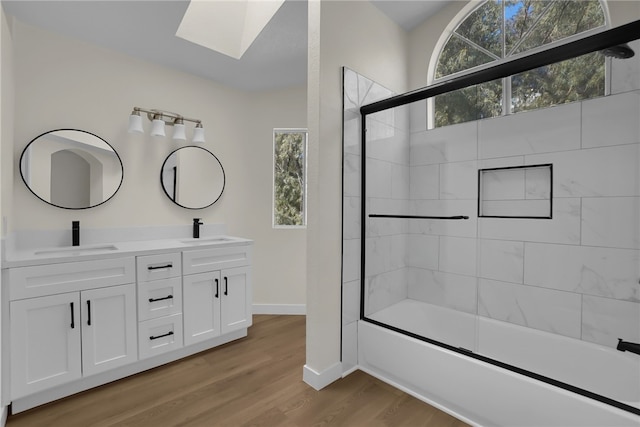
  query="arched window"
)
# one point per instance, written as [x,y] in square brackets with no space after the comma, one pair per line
[496,30]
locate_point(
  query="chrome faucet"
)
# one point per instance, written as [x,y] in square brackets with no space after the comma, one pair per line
[75,233]
[628,346]
[196,228]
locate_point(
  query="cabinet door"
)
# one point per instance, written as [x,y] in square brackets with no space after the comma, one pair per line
[201,295]
[236,303]
[45,342]
[109,328]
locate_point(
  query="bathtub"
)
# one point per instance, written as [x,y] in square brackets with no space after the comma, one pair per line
[482,393]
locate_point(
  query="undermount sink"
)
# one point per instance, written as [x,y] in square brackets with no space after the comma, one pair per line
[206,240]
[76,250]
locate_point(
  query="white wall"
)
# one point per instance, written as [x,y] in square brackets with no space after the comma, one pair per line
[356,35]
[64,83]
[6,147]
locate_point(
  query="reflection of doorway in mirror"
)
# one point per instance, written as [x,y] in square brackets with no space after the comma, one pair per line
[70,180]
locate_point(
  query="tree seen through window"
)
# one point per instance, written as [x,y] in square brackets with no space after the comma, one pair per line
[500,29]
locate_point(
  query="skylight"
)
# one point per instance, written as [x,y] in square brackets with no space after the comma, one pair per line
[226,26]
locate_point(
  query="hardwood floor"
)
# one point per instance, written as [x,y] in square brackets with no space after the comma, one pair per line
[256,381]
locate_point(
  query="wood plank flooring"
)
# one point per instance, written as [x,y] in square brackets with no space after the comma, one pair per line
[256,381]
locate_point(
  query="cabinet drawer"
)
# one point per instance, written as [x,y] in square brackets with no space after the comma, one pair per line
[41,280]
[156,267]
[159,298]
[157,336]
[202,261]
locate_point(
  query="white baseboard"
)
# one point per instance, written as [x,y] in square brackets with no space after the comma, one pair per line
[280,309]
[320,380]
[4,413]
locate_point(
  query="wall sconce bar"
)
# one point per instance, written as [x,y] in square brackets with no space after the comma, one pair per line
[160,118]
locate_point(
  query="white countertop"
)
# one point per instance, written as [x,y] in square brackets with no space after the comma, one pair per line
[55,255]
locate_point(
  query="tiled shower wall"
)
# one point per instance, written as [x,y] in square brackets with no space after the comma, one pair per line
[575,274]
[388,163]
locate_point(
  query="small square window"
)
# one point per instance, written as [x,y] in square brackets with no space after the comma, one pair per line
[516,192]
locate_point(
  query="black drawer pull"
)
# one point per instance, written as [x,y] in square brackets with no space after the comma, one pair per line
[89,312]
[217,295]
[159,267]
[160,299]
[226,286]
[161,336]
[73,317]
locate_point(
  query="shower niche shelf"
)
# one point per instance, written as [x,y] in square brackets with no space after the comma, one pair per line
[516,192]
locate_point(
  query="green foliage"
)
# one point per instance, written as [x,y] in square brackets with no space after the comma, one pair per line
[289,178]
[501,28]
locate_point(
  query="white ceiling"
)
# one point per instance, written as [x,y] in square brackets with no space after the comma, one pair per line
[146,30]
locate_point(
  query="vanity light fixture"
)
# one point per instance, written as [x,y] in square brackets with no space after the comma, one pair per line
[160,118]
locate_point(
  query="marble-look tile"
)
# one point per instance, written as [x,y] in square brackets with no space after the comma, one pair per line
[459,180]
[458,255]
[607,171]
[458,228]
[502,184]
[349,347]
[400,182]
[455,143]
[422,251]
[501,162]
[516,208]
[378,176]
[351,174]
[501,260]
[418,116]
[379,131]
[625,75]
[538,182]
[384,254]
[605,272]
[383,290]
[611,222]
[351,260]
[538,308]
[351,135]
[540,131]
[563,228]
[444,289]
[350,89]
[611,120]
[393,149]
[605,320]
[371,92]
[351,218]
[424,182]
[350,302]
[386,226]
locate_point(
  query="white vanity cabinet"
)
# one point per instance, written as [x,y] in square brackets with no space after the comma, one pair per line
[61,337]
[159,303]
[216,292]
[76,322]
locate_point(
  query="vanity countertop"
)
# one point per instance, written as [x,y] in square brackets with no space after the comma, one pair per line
[55,255]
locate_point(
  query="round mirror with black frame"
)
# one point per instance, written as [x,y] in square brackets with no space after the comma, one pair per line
[192,177]
[71,169]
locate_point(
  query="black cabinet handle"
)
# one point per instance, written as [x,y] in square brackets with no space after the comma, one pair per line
[89,312]
[161,336]
[160,299]
[217,295]
[159,267]
[226,286]
[73,317]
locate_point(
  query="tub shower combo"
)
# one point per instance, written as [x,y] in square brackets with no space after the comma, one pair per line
[500,258]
